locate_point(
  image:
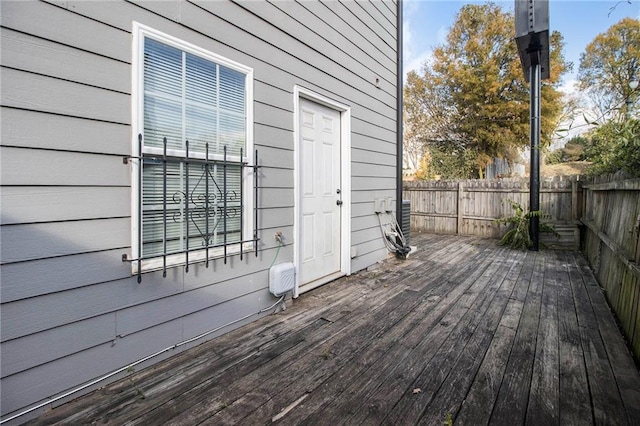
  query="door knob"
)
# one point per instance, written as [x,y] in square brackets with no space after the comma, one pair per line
[339,202]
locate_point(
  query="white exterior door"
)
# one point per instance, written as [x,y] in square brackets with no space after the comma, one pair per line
[320,194]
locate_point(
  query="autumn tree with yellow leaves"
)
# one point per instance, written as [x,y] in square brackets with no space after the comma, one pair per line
[607,66]
[471,101]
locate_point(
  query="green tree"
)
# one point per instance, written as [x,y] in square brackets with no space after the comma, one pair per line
[573,150]
[451,162]
[615,146]
[424,169]
[472,101]
[609,62]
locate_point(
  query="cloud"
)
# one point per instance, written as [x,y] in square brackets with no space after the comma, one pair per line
[407,41]
[414,55]
[569,87]
[410,9]
[443,32]
[579,119]
[415,63]
[411,57]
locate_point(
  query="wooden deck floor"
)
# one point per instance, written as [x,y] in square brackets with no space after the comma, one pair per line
[463,331]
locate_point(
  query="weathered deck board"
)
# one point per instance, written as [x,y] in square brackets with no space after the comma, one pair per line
[368,392]
[452,393]
[511,405]
[363,369]
[543,407]
[606,402]
[573,376]
[478,299]
[462,330]
[335,352]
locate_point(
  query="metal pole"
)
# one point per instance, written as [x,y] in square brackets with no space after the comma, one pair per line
[399,103]
[534,175]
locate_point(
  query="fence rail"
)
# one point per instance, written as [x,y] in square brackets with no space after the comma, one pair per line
[470,207]
[611,243]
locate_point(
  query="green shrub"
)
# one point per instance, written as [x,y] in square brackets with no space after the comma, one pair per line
[616,147]
[518,236]
[554,157]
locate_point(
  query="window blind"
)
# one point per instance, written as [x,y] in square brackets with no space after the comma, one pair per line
[199,107]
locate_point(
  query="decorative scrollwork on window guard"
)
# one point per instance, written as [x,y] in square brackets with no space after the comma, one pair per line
[210,208]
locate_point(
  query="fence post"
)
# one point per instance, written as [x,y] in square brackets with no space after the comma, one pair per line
[574,200]
[460,209]
[636,230]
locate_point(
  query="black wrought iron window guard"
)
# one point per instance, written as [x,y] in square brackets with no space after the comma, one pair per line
[199,207]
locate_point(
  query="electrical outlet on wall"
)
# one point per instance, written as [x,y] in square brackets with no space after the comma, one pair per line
[389,207]
[379,205]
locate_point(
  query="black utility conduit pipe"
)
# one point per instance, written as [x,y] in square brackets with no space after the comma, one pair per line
[400,96]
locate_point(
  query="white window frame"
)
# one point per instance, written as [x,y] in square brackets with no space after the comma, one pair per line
[140,32]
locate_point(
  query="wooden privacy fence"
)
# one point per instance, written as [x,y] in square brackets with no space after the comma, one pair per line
[470,207]
[611,243]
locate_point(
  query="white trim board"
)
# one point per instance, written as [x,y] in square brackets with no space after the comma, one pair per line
[345,182]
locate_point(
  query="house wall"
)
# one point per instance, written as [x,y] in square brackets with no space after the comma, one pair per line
[71,311]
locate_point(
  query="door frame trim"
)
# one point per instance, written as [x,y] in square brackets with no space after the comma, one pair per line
[345,183]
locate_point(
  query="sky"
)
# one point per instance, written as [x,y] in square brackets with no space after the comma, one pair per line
[427,22]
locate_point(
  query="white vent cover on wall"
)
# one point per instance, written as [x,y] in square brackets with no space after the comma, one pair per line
[282,278]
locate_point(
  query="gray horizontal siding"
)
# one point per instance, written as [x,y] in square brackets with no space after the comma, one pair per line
[365,170]
[284,49]
[26,52]
[276,217]
[367,241]
[168,8]
[61,274]
[121,14]
[190,292]
[66,110]
[267,135]
[26,352]
[313,31]
[275,157]
[368,156]
[22,166]
[142,316]
[362,209]
[367,258]
[375,133]
[63,133]
[345,22]
[36,18]
[372,183]
[387,22]
[272,95]
[38,383]
[28,204]
[249,268]
[386,10]
[365,236]
[43,240]
[46,94]
[292,32]
[275,197]
[277,178]
[365,196]
[56,309]
[44,276]
[268,114]
[239,42]
[366,222]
